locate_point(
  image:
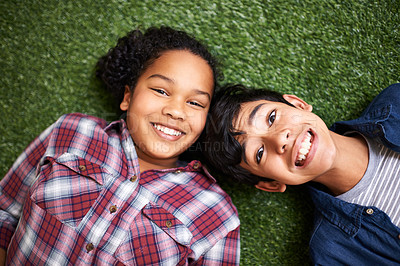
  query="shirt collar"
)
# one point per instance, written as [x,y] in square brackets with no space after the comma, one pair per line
[127,145]
[193,166]
[130,151]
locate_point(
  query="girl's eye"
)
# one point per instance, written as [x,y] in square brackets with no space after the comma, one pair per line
[259,154]
[160,91]
[196,104]
[272,117]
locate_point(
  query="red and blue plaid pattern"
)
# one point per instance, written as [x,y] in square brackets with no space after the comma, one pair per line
[78,197]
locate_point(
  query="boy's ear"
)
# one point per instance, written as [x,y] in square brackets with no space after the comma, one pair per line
[271,186]
[127,98]
[297,102]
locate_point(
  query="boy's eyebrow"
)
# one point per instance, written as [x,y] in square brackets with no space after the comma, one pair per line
[249,122]
[244,152]
[253,113]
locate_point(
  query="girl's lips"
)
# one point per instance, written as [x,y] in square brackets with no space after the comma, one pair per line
[305,149]
[167,132]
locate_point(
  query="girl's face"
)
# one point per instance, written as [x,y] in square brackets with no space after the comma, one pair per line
[288,144]
[167,110]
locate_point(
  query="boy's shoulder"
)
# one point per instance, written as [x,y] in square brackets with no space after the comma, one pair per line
[381,119]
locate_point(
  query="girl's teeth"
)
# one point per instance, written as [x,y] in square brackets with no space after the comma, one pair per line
[167,131]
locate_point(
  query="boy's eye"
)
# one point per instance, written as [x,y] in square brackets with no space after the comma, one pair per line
[271,117]
[196,104]
[160,91]
[259,154]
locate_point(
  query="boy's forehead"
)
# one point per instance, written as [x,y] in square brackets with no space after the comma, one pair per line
[248,111]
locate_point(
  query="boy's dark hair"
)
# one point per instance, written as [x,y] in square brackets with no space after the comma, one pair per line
[222,151]
[136,51]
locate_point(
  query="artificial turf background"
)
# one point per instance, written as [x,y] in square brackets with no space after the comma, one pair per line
[337,55]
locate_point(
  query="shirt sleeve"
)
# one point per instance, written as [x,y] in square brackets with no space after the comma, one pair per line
[15,185]
[225,252]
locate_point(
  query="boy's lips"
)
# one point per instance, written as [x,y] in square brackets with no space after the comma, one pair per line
[170,132]
[304,148]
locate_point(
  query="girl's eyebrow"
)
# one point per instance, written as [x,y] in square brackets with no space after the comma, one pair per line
[203,93]
[254,112]
[161,77]
[197,91]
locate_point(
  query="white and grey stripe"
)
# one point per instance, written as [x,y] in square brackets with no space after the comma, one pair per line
[380,185]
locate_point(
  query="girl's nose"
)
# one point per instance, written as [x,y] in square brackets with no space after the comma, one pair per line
[175,110]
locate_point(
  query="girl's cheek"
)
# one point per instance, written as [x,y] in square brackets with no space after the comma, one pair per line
[199,122]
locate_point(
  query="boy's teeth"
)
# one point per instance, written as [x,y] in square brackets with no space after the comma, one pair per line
[306,144]
[168,131]
[304,149]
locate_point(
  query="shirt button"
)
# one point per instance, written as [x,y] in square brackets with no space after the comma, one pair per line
[370,211]
[168,223]
[178,171]
[133,178]
[89,247]
[196,165]
[113,208]
[398,236]
[82,167]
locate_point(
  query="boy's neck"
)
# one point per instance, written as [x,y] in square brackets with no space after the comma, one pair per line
[350,165]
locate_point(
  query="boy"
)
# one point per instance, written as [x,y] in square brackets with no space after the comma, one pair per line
[270,141]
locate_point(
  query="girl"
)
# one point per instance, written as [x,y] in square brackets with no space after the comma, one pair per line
[88,192]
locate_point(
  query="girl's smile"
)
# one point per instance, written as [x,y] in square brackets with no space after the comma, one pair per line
[168,132]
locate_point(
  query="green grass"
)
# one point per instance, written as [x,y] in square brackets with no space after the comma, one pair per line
[337,55]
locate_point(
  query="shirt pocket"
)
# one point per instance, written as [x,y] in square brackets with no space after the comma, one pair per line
[67,187]
[156,237]
[40,239]
[167,222]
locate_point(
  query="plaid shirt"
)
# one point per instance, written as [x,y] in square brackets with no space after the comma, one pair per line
[78,197]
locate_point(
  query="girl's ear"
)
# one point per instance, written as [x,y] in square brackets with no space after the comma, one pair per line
[297,102]
[271,186]
[127,98]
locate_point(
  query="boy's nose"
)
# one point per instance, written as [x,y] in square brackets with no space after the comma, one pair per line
[279,141]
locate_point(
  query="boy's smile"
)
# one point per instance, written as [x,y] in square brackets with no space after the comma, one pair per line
[305,147]
[284,143]
[167,110]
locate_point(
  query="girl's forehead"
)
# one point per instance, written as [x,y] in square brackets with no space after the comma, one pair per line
[183,68]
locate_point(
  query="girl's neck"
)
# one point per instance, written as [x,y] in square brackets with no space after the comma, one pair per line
[148,163]
[350,164]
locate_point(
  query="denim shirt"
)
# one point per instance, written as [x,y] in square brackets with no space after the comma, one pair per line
[351,234]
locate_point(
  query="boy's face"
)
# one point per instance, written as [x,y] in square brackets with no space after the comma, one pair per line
[288,144]
[168,109]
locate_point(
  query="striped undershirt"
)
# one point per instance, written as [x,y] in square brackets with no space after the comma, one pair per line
[380,185]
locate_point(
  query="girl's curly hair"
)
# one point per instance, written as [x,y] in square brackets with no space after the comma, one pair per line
[136,51]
